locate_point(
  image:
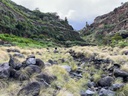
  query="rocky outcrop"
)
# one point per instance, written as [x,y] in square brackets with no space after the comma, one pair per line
[109,24]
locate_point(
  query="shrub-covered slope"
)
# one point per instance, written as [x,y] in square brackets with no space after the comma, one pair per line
[18,20]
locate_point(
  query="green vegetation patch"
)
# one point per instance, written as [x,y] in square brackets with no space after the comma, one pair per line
[24,42]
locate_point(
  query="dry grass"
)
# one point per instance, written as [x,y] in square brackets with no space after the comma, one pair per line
[125,67]
[70,87]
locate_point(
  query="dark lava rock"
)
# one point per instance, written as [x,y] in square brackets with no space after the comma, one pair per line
[78,56]
[4,70]
[105,92]
[32,69]
[89,93]
[116,87]
[55,50]
[91,84]
[30,61]
[120,73]
[24,73]
[31,56]
[106,81]
[45,78]
[13,50]
[14,63]
[117,66]
[40,63]
[18,55]
[31,89]
[52,62]
[14,74]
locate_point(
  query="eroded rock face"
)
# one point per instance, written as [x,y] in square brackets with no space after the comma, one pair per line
[4,70]
[31,89]
[109,24]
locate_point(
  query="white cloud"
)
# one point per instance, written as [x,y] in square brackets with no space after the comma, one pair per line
[77,11]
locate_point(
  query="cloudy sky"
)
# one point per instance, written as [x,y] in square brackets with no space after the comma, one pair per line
[77,11]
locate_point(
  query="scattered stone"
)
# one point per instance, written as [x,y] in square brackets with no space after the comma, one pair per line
[31,89]
[13,50]
[4,70]
[31,56]
[30,61]
[55,50]
[105,92]
[52,62]
[106,81]
[117,66]
[32,69]
[116,87]
[89,92]
[40,63]
[120,73]
[91,84]
[45,79]
[14,74]
[14,63]
[18,55]
[67,68]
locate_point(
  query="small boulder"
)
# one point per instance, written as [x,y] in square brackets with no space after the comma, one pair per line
[14,63]
[105,92]
[13,50]
[121,73]
[106,81]
[55,50]
[45,78]
[32,69]
[91,84]
[89,93]
[40,63]
[4,70]
[18,55]
[116,87]
[30,61]
[31,89]
[52,62]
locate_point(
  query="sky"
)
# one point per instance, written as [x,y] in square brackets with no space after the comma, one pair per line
[78,12]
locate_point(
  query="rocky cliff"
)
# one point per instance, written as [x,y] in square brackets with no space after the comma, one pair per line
[109,24]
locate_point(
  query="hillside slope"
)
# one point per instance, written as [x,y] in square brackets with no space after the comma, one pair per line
[19,21]
[108,25]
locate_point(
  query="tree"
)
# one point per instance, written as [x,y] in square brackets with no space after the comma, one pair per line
[66,20]
[87,25]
